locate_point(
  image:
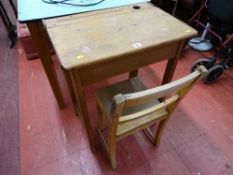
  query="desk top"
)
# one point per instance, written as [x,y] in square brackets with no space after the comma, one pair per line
[96,36]
[29,10]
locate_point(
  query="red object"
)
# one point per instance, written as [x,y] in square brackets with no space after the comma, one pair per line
[27,43]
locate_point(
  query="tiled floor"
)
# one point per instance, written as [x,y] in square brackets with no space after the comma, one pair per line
[198,139]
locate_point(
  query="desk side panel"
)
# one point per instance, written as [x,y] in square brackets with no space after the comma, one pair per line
[125,63]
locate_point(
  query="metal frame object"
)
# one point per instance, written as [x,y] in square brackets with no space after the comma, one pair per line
[8,24]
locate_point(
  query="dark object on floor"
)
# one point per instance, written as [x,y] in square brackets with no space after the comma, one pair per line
[219,23]
[225,56]
[184,10]
[7,23]
[215,67]
[220,26]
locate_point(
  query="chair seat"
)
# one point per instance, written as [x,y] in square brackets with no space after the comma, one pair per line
[105,95]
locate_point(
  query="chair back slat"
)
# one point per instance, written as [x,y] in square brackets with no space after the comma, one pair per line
[138,98]
[150,110]
[175,90]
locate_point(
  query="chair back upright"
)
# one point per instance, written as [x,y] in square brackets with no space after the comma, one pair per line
[171,93]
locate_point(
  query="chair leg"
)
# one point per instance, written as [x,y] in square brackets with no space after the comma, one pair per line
[100,119]
[149,135]
[112,153]
[159,131]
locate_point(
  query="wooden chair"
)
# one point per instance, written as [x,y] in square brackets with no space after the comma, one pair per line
[129,106]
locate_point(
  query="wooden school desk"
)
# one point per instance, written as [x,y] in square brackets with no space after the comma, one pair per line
[98,45]
[33,12]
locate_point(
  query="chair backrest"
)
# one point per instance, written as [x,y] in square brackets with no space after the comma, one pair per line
[172,93]
[221,10]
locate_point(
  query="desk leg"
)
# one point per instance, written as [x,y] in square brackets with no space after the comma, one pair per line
[38,36]
[171,65]
[72,92]
[133,73]
[82,104]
